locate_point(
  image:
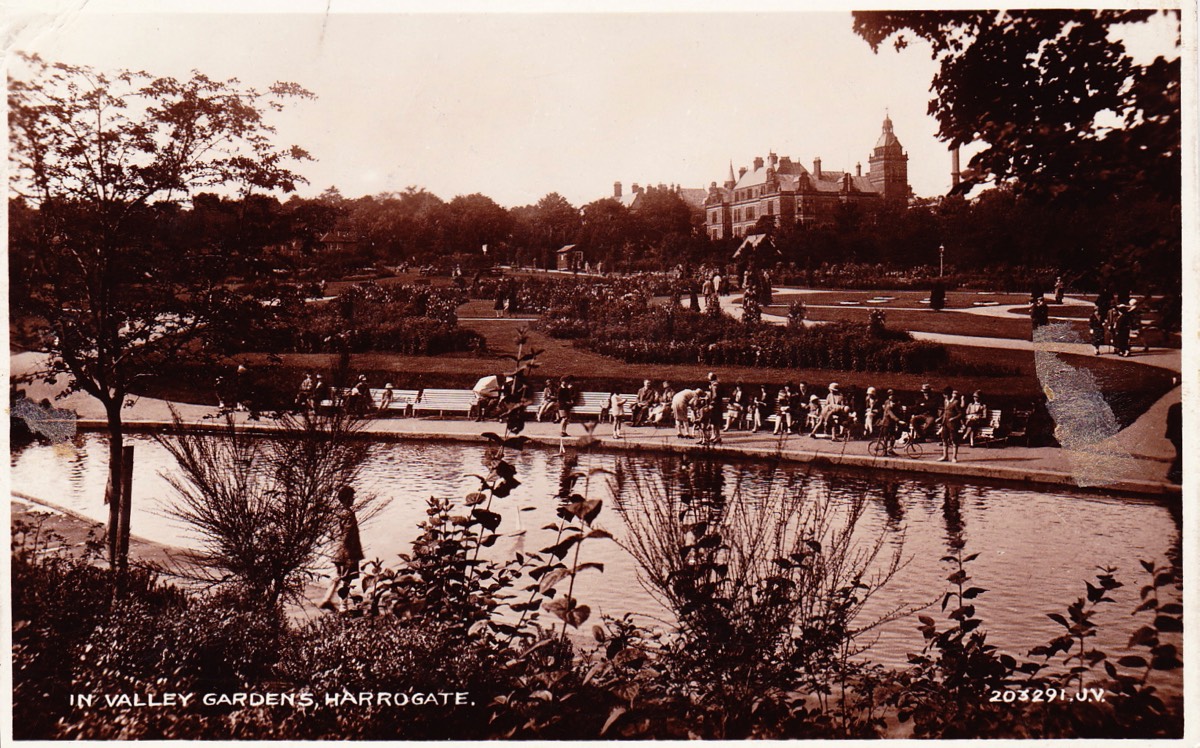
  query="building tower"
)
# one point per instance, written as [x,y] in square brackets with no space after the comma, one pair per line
[889,165]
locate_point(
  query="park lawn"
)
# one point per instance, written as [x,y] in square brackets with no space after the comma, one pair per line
[945,322]
[900,299]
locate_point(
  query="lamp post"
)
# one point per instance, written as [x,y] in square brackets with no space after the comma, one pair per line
[941,260]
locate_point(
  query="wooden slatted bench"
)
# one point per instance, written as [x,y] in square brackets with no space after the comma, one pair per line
[441,402]
[990,432]
[402,400]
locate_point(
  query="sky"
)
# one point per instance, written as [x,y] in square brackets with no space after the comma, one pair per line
[516,105]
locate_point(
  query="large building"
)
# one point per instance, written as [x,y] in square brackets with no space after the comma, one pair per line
[787,192]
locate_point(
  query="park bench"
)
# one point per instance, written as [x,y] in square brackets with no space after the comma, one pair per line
[991,431]
[810,420]
[441,402]
[402,400]
[996,432]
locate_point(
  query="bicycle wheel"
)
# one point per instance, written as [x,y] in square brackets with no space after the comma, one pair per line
[913,449]
[877,448]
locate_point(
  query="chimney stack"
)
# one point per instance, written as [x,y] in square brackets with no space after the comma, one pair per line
[617,190]
[758,163]
[636,189]
[774,159]
[858,169]
[817,167]
[955,173]
[741,172]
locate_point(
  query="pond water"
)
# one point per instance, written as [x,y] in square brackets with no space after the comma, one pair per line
[1036,548]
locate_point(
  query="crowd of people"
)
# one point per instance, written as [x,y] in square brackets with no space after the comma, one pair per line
[705,412]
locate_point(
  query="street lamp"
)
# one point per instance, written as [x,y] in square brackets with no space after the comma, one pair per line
[941,260]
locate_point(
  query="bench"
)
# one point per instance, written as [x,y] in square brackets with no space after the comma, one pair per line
[991,431]
[402,400]
[441,402]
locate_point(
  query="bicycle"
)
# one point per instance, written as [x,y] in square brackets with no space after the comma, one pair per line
[903,446]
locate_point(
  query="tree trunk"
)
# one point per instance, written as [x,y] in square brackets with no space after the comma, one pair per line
[116,479]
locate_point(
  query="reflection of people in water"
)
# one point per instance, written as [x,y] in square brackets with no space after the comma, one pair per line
[1175,436]
[892,504]
[952,511]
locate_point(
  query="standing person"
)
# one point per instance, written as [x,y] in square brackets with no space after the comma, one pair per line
[1039,314]
[240,385]
[871,408]
[1059,288]
[1123,328]
[949,421]
[349,553]
[680,404]
[219,389]
[1135,324]
[320,392]
[889,423]
[718,283]
[761,409]
[1096,329]
[616,406]
[304,394]
[714,414]
[1110,326]
[566,397]
[501,297]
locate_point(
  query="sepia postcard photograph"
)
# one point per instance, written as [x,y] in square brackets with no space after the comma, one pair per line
[530,371]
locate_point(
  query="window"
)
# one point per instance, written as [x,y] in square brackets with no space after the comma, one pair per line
[771,208]
[749,214]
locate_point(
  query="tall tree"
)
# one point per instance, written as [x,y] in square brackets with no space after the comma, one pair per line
[100,157]
[1065,114]
[1055,97]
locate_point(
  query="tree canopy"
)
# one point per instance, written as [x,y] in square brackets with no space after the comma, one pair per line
[103,162]
[1057,100]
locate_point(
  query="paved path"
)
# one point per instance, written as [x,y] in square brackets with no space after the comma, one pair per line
[1134,461]
[1053,338]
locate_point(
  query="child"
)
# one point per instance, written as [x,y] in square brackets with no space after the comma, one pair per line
[616,407]
[349,553]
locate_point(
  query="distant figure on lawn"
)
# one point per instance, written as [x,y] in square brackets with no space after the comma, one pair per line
[1039,313]
[349,553]
[1096,328]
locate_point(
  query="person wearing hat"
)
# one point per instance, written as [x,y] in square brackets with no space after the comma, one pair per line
[1096,329]
[924,412]
[385,400]
[1123,327]
[835,405]
[976,415]
[783,408]
[646,397]
[889,423]
[950,419]
[1039,313]
[871,408]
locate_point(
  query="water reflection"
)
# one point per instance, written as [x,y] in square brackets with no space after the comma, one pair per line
[1015,530]
[952,513]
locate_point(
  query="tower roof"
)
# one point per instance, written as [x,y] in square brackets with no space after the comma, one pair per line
[887,137]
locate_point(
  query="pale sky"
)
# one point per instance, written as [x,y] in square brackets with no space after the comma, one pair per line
[517,105]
